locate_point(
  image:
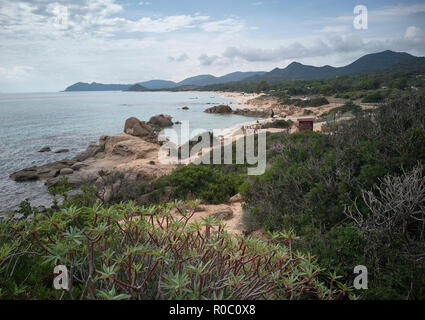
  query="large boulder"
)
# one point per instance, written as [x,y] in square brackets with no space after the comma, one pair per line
[222,109]
[25,175]
[66,171]
[43,172]
[236,198]
[224,214]
[161,120]
[135,127]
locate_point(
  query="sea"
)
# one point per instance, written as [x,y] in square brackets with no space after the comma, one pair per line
[70,120]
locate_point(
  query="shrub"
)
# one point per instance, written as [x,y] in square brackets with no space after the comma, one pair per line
[200,182]
[374,97]
[281,124]
[347,107]
[130,252]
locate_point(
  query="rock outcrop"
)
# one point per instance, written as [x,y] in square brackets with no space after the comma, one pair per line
[137,128]
[221,109]
[129,155]
[254,113]
[224,214]
[161,120]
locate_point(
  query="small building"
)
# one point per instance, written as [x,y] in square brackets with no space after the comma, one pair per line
[304,124]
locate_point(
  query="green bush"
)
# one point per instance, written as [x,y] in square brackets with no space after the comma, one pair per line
[347,107]
[374,97]
[280,124]
[200,182]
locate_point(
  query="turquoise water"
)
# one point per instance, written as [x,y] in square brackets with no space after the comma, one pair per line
[71,120]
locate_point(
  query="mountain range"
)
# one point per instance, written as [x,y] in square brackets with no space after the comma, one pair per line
[368,63]
[201,80]
[294,71]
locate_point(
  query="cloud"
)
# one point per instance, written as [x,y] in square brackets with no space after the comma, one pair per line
[259,3]
[16,72]
[333,29]
[414,34]
[206,60]
[385,14]
[161,25]
[227,25]
[82,17]
[413,39]
[182,58]
[145,3]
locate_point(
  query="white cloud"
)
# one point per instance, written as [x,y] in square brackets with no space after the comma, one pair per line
[145,3]
[414,34]
[182,58]
[97,17]
[15,72]
[259,3]
[166,24]
[227,25]
[333,29]
[206,60]
[330,45]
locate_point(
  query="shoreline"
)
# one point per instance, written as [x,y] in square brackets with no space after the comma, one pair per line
[131,162]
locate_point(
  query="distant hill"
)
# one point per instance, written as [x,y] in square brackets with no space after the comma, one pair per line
[208,79]
[199,81]
[368,63]
[137,87]
[82,86]
[158,84]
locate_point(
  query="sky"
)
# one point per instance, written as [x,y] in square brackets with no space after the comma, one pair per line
[46,45]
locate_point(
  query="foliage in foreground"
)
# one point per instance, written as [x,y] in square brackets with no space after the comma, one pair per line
[130,252]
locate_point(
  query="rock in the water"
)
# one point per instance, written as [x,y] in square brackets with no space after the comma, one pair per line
[222,109]
[161,120]
[185,108]
[66,171]
[225,214]
[45,149]
[25,175]
[62,151]
[135,127]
